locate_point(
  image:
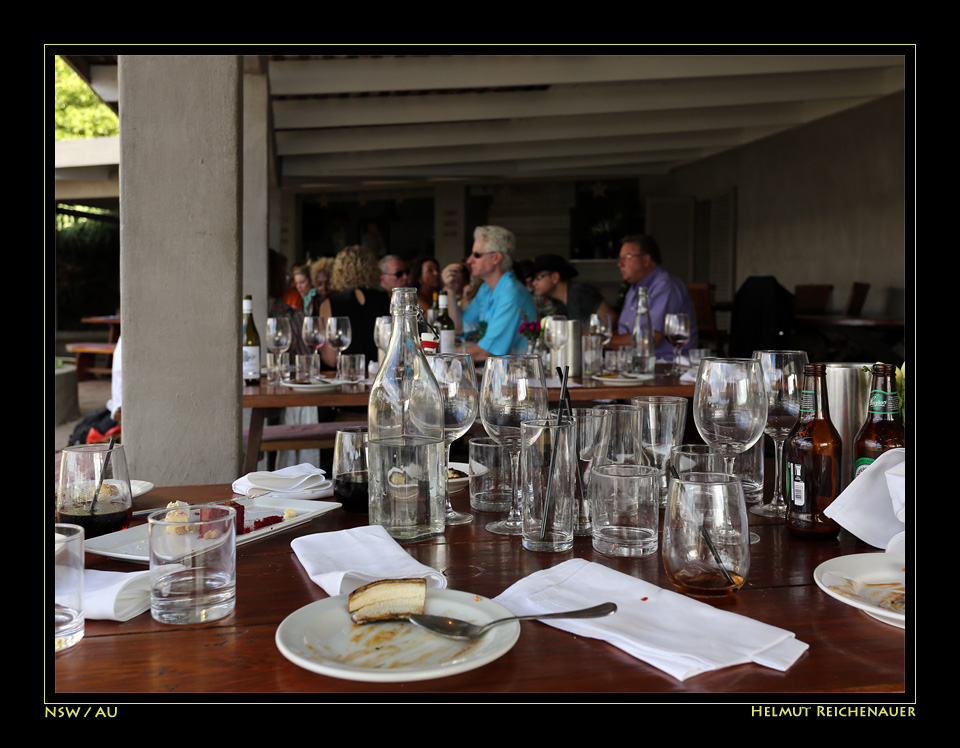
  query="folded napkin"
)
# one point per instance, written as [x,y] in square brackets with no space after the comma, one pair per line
[872,506]
[674,633]
[342,561]
[115,595]
[303,481]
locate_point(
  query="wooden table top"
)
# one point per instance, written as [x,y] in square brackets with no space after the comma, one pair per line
[278,396]
[850,652]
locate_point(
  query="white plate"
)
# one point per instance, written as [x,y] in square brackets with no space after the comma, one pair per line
[639,377]
[133,544]
[139,488]
[616,380]
[321,637]
[315,387]
[855,572]
[457,483]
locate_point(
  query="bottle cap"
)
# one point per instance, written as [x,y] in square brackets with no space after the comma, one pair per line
[429,341]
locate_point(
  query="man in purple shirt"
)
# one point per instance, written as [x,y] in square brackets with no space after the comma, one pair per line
[639,265]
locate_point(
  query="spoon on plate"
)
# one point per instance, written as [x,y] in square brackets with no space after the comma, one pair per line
[457,629]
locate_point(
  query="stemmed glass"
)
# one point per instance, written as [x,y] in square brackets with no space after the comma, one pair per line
[554,334]
[339,336]
[782,380]
[382,329]
[314,332]
[457,378]
[513,391]
[601,324]
[676,329]
[279,335]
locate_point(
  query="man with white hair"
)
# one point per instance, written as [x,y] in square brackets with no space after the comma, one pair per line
[502,300]
[393,273]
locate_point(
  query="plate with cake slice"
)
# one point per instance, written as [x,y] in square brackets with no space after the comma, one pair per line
[357,637]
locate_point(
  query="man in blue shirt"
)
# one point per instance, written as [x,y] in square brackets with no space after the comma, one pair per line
[639,265]
[501,301]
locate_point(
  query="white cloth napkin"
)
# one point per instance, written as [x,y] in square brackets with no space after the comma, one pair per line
[674,633]
[867,507]
[303,481]
[115,595]
[343,560]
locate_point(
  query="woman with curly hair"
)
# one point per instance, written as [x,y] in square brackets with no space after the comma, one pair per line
[355,293]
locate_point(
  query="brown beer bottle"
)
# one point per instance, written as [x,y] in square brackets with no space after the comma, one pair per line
[813,461]
[883,428]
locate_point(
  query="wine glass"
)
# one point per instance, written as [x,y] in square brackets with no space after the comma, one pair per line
[554,333]
[339,336]
[729,405]
[601,324]
[279,335]
[382,330]
[513,391]
[457,378]
[782,380]
[676,329]
[314,332]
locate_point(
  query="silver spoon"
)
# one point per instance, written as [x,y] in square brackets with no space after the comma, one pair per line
[456,629]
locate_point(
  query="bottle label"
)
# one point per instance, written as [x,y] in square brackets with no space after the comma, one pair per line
[862,464]
[796,488]
[883,403]
[251,362]
[448,342]
[808,401]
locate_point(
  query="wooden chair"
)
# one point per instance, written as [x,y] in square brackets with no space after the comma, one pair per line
[811,299]
[701,296]
[858,297]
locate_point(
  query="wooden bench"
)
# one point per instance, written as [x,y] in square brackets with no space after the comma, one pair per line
[87,353]
[301,435]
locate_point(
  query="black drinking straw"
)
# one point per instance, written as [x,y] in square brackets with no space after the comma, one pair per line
[710,545]
[103,472]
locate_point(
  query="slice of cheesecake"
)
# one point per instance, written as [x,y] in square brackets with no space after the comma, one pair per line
[386,599]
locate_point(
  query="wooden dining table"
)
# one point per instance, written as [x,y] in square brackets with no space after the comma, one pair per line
[236,658]
[261,398]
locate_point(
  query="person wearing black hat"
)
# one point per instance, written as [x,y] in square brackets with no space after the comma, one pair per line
[552,278]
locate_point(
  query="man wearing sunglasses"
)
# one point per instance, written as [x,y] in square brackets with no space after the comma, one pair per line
[639,264]
[393,273]
[501,301]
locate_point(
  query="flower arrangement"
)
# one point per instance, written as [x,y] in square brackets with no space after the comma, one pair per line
[530,329]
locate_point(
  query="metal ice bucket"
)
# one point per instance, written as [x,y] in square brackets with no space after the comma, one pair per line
[848,391]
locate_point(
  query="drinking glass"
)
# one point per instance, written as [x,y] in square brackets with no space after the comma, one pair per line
[279,334]
[782,381]
[94,490]
[662,423]
[706,545]
[626,509]
[68,619]
[548,476]
[620,443]
[601,324]
[513,391]
[676,329]
[350,475]
[314,332]
[339,336]
[729,405]
[457,378]
[554,333]
[591,427]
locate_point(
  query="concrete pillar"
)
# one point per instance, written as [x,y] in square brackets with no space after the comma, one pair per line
[180,266]
[256,188]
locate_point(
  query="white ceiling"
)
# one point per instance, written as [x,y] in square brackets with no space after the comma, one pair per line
[376,120]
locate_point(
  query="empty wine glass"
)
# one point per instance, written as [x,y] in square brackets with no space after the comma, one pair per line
[601,324]
[382,329]
[314,332]
[513,391]
[554,333]
[339,336]
[782,381]
[457,378]
[279,335]
[729,405]
[676,329]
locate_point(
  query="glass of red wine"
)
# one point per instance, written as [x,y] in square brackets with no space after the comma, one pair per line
[350,484]
[94,489]
[676,329]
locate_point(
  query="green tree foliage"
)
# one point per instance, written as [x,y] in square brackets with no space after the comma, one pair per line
[78,112]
